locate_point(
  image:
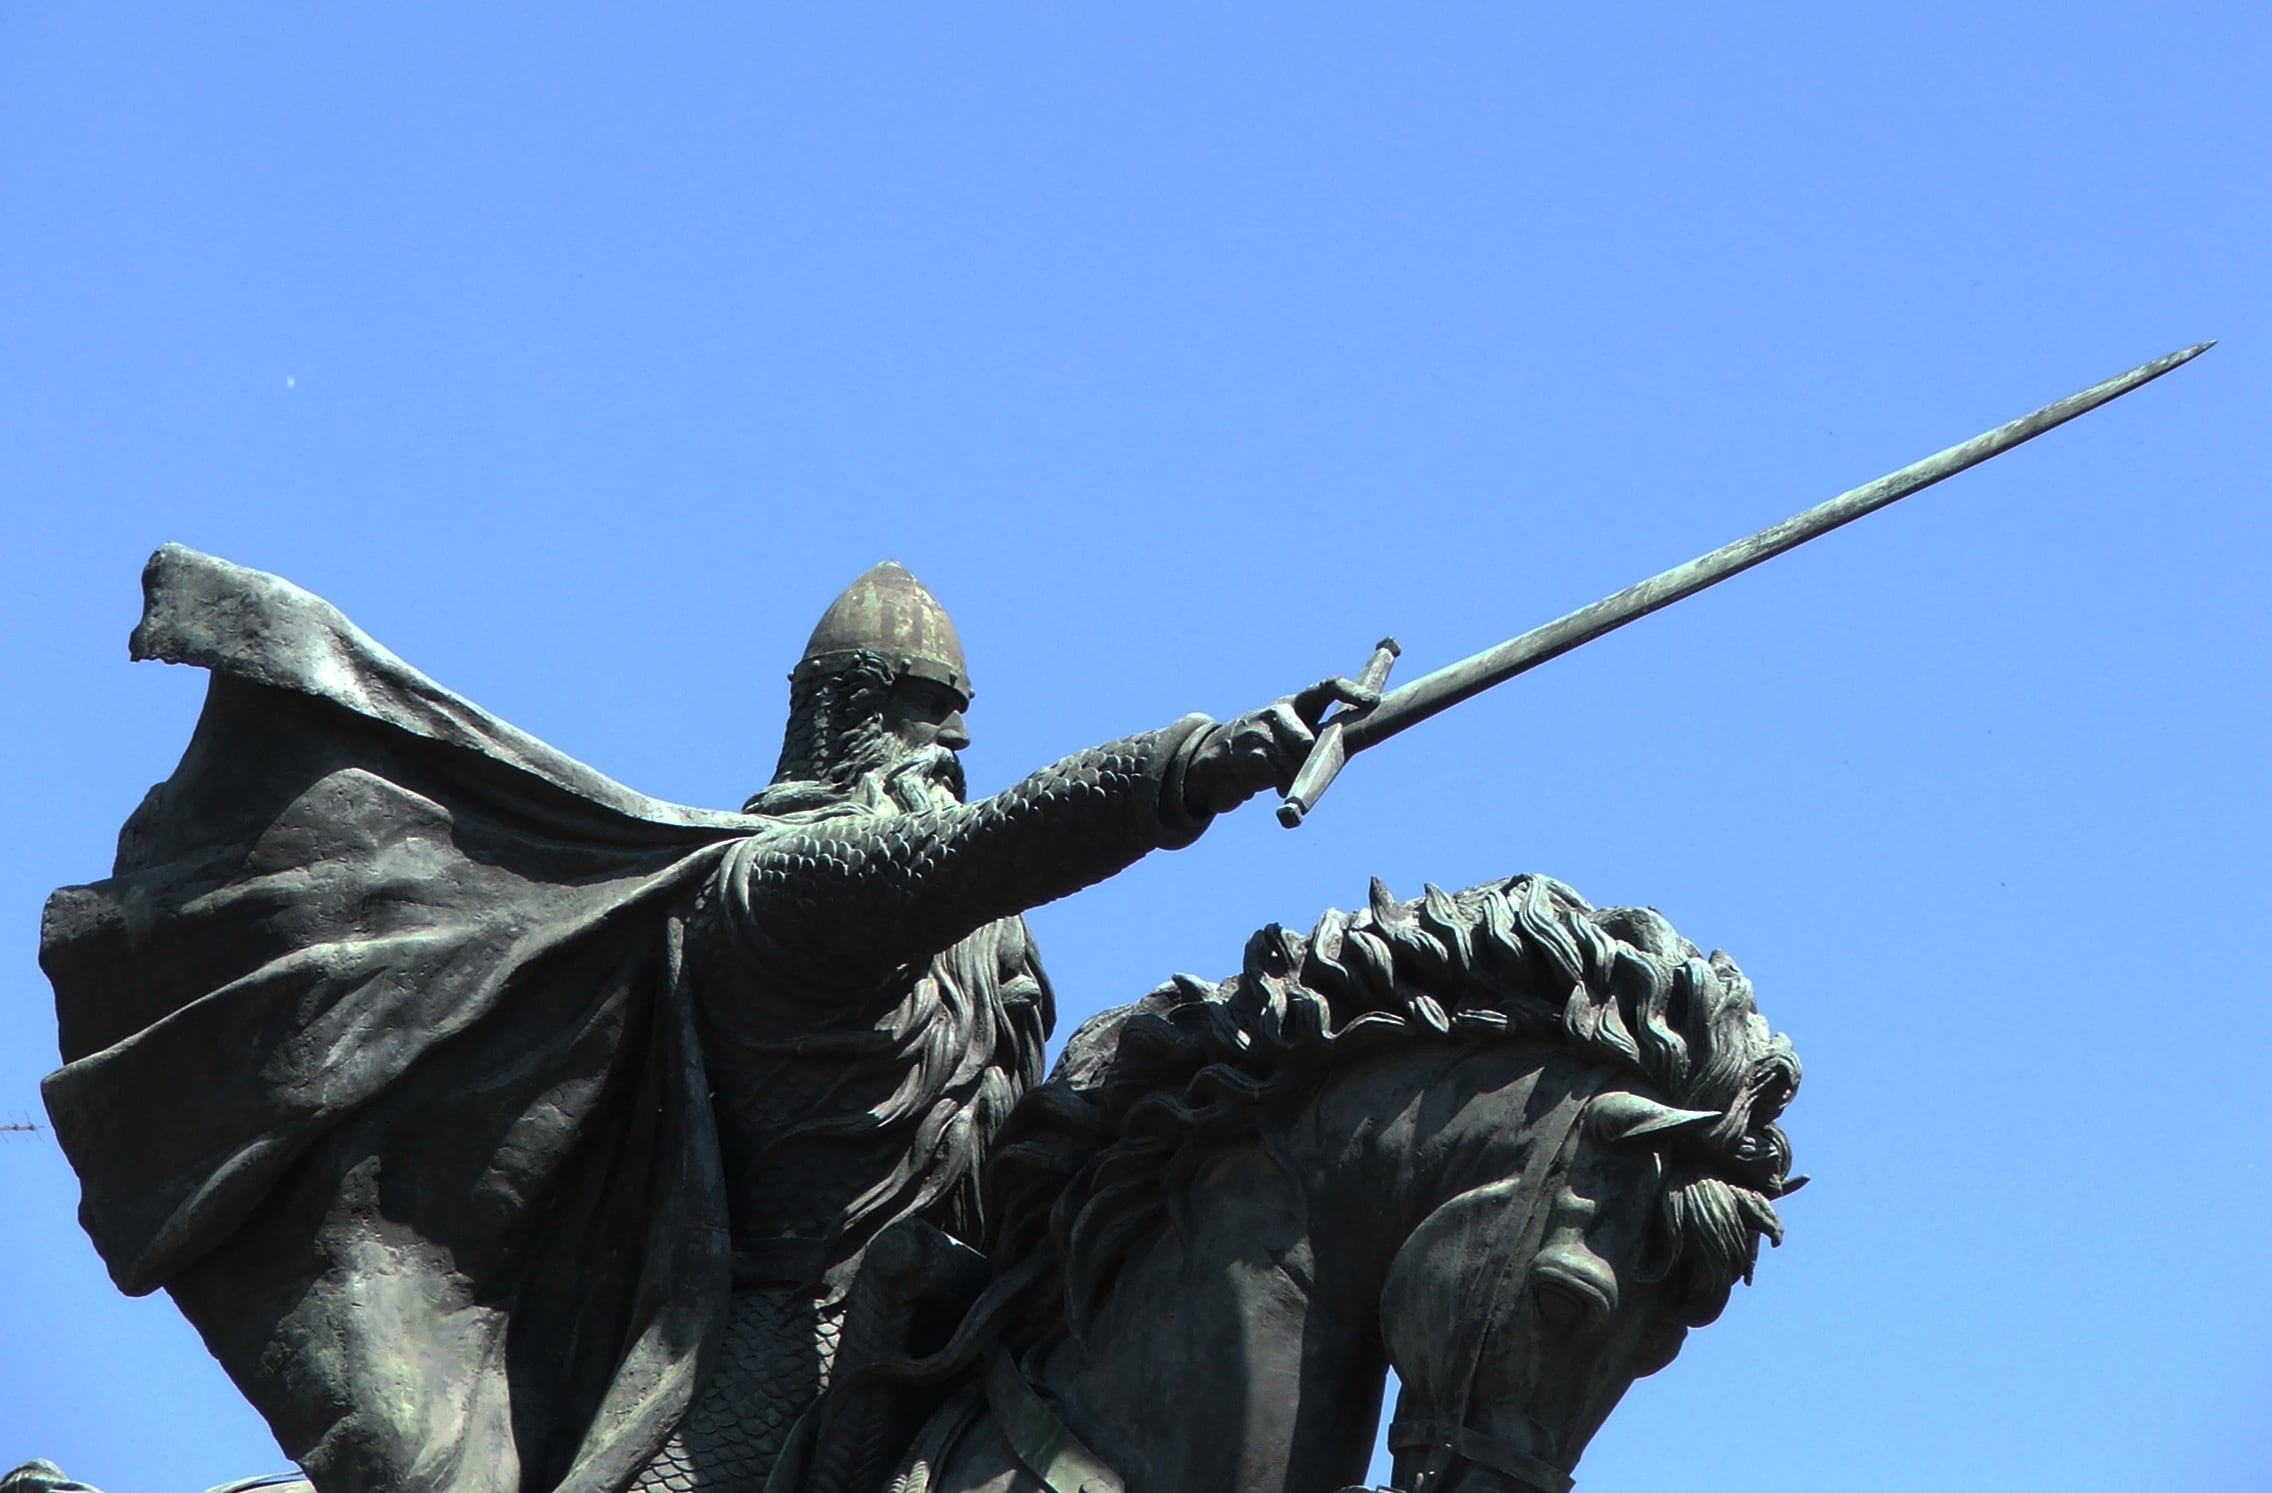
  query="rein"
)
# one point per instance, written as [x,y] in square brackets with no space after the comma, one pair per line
[1043,1443]
[1485,1451]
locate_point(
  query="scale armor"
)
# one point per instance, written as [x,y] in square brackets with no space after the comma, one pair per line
[867,892]
[772,1362]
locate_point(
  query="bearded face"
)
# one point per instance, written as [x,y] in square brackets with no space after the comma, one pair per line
[924,721]
[859,733]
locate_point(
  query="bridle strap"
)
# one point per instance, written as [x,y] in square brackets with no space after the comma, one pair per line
[1484,1451]
[1558,1137]
[1045,1444]
[1524,1233]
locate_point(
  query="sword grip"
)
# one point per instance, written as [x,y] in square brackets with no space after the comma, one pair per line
[1330,751]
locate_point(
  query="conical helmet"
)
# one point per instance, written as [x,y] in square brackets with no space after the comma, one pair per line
[889,613]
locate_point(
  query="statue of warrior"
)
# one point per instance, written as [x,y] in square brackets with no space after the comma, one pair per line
[868,996]
[502,1128]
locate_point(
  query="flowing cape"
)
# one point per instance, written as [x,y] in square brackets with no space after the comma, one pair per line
[378,1059]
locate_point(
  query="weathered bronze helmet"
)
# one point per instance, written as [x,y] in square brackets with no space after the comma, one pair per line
[890,614]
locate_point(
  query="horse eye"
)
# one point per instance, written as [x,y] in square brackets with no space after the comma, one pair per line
[1560,1308]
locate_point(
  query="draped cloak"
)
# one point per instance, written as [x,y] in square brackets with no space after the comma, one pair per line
[379,1058]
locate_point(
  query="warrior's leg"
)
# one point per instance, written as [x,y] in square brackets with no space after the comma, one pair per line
[772,1363]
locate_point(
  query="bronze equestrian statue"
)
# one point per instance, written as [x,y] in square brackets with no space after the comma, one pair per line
[501,1128]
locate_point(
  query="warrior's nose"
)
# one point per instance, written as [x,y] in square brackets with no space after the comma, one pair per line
[954,733]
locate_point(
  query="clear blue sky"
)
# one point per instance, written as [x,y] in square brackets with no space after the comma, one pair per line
[582,357]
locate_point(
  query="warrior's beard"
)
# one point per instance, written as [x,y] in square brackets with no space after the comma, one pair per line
[878,769]
[924,777]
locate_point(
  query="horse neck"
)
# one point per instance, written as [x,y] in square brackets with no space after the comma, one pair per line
[1241,1349]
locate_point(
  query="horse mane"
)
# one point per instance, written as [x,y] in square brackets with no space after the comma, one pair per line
[1090,1162]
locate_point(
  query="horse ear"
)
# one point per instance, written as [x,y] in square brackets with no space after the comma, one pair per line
[1624,1118]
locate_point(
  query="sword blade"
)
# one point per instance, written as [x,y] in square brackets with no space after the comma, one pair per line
[1448,686]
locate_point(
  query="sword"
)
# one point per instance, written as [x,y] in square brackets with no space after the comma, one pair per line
[1408,706]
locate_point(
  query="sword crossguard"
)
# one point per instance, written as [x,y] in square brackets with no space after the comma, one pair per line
[1330,751]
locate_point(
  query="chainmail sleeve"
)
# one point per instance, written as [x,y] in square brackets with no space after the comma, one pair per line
[846,899]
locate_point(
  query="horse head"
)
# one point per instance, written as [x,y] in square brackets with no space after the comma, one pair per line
[1518,1311]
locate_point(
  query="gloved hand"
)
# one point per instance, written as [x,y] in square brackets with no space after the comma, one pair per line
[1238,758]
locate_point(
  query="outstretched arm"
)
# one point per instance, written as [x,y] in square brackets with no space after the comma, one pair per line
[849,898]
